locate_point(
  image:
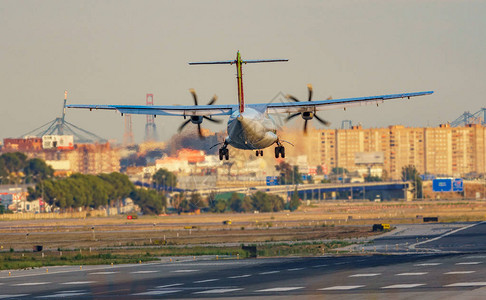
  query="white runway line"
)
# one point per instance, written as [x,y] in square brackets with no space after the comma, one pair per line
[466,284]
[403,286]
[470,263]
[295,269]
[30,283]
[154,293]
[206,280]
[412,274]
[218,291]
[143,272]
[184,271]
[62,295]
[341,288]
[427,264]
[365,275]
[459,272]
[319,266]
[239,276]
[269,272]
[103,273]
[78,282]
[168,285]
[8,296]
[281,289]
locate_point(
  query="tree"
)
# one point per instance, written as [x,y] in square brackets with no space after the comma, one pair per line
[36,170]
[150,201]
[164,178]
[294,201]
[195,201]
[369,178]
[236,202]
[288,174]
[266,202]
[410,173]
[339,171]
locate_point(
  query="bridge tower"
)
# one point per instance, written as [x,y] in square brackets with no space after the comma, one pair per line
[150,128]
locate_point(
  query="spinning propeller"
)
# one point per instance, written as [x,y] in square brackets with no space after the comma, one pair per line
[199,119]
[307,115]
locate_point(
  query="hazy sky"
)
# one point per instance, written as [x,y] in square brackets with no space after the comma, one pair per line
[114,52]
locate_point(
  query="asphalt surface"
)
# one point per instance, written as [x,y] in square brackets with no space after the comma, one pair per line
[433,261]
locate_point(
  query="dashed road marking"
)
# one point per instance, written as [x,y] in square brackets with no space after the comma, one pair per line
[319,266]
[281,289]
[7,296]
[153,293]
[466,284]
[341,287]
[219,291]
[459,272]
[413,274]
[403,286]
[295,269]
[427,264]
[77,282]
[239,276]
[30,283]
[365,275]
[184,271]
[143,272]
[206,280]
[269,272]
[103,273]
[470,263]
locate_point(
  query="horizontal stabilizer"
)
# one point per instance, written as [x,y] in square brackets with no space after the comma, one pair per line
[230,62]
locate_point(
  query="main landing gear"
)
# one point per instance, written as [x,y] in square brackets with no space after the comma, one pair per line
[223,153]
[280,151]
[259,153]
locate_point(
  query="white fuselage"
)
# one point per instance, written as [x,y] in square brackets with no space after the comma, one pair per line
[251,130]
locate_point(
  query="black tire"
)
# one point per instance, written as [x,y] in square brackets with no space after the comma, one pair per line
[282,151]
[220,154]
[226,154]
[257,153]
[277,152]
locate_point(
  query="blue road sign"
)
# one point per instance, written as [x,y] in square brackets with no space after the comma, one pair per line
[272,180]
[458,185]
[442,185]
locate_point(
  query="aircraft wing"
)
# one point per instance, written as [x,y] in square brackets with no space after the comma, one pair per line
[304,106]
[166,110]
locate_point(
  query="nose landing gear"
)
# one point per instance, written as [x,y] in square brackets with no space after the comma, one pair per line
[280,151]
[224,152]
[259,153]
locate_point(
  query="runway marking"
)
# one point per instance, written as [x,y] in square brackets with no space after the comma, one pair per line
[281,289]
[466,284]
[341,287]
[143,272]
[63,295]
[168,285]
[152,293]
[77,282]
[459,272]
[444,235]
[295,269]
[103,273]
[239,276]
[218,291]
[269,272]
[470,263]
[30,283]
[365,275]
[206,280]
[427,264]
[184,271]
[341,263]
[412,274]
[319,266]
[403,286]
[12,296]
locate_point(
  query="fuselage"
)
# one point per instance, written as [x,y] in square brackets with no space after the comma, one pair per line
[251,130]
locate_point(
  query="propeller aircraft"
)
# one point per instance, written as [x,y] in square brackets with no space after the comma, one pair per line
[250,126]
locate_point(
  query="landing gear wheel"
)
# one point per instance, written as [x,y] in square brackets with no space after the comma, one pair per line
[279,151]
[226,154]
[259,153]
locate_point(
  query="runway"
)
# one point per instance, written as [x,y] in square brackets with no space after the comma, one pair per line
[451,270]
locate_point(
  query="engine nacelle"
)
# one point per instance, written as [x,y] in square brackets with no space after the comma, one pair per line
[307,115]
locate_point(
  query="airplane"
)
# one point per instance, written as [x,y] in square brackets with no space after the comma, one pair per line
[250,127]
